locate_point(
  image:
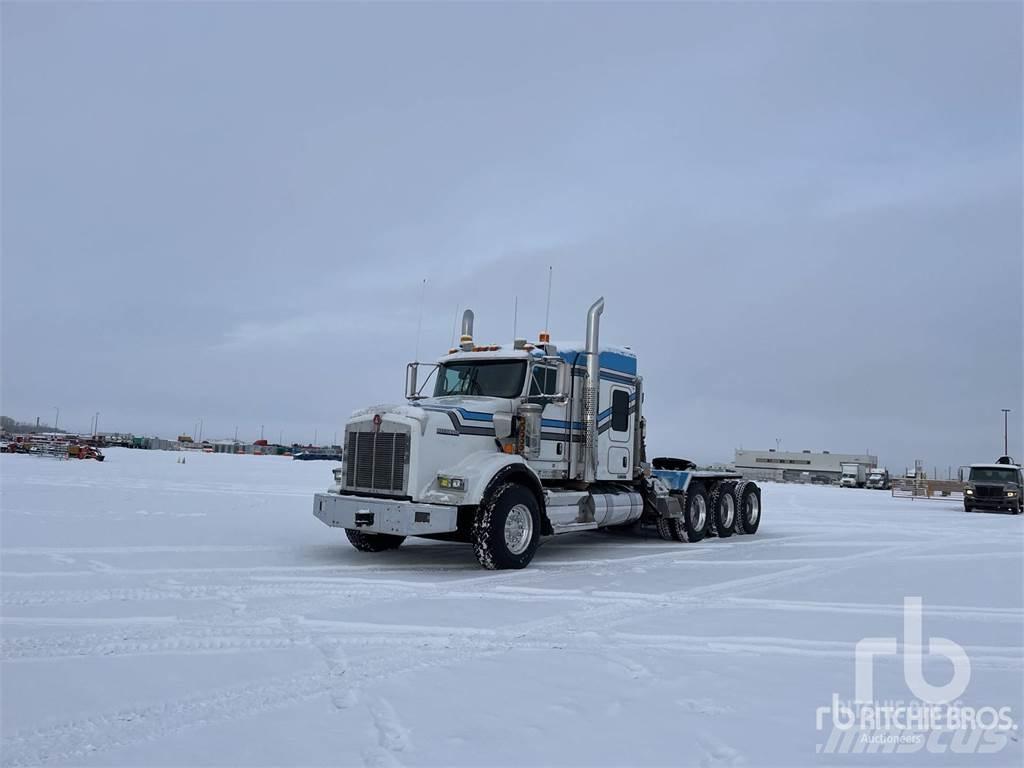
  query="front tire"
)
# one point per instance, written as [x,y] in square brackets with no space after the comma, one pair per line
[373,542]
[506,529]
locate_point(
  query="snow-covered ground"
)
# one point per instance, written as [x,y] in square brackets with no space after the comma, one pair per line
[157,613]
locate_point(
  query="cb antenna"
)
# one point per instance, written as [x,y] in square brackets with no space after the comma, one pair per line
[547,309]
[419,322]
[515,317]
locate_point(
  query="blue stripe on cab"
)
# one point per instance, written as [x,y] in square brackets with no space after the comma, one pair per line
[613,361]
[475,415]
[617,379]
[616,362]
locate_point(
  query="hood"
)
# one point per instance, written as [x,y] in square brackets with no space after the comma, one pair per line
[465,414]
[459,414]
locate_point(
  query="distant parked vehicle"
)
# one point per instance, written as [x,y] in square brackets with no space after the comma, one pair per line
[85,452]
[994,487]
[878,478]
[317,456]
[853,476]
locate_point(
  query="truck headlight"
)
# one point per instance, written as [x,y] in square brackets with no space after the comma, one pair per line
[451,483]
[968,492]
[339,474]
[1011,493]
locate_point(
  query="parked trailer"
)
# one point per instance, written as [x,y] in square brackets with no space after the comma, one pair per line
[519,442]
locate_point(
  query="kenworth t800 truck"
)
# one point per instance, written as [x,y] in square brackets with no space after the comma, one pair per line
[519,442]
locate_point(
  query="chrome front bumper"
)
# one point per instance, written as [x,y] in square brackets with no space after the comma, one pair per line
[376,515]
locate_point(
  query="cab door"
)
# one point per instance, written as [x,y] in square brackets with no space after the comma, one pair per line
[555,435]
[620,433]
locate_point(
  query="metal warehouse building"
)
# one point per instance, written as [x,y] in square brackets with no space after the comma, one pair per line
[805,466]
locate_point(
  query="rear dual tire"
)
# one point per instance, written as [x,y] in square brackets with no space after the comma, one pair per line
[730,508]
[695,522]
[723,506]
[748,507]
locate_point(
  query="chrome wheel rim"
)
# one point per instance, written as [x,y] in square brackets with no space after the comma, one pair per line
[698,513]
[518,529]
[728,511]
[753,509]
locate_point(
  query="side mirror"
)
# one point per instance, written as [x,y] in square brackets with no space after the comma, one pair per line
[411,372]
[562,379]
[502,425]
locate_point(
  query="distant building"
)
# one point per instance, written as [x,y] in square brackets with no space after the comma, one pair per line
[804,466]
[227,446]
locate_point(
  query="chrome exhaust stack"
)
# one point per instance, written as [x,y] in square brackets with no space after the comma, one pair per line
[592,389]
[466,339]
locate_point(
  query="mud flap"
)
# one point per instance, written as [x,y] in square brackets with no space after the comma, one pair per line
[669,507]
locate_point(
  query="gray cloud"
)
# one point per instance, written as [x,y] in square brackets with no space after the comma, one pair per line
[805,218]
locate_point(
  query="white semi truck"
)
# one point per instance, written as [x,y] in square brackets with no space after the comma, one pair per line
[878,478]
[519,442]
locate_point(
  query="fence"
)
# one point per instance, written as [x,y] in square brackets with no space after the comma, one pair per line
[920,488]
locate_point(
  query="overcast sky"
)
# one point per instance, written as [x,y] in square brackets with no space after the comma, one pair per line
[805,218]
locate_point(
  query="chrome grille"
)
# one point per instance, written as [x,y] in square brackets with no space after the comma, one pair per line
[376,461]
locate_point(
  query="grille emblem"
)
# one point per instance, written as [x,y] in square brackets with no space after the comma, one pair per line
[376,422]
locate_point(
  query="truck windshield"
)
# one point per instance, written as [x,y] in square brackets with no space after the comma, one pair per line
[993,475]
[487,378]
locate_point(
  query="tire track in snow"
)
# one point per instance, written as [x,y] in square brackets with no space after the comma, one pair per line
[392,736]
[203,641]
[582,628]
[198,592]
[145,549]
[323,636]
[1000,657]
[73,740]
[962,612]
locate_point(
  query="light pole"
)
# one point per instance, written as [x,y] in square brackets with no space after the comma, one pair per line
[96,424]
[56,418]
[1006,444]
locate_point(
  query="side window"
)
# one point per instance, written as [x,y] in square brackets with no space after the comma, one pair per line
[544,381]
[620,410]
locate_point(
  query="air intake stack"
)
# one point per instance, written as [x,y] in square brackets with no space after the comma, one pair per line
[592,390]
[466,339]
